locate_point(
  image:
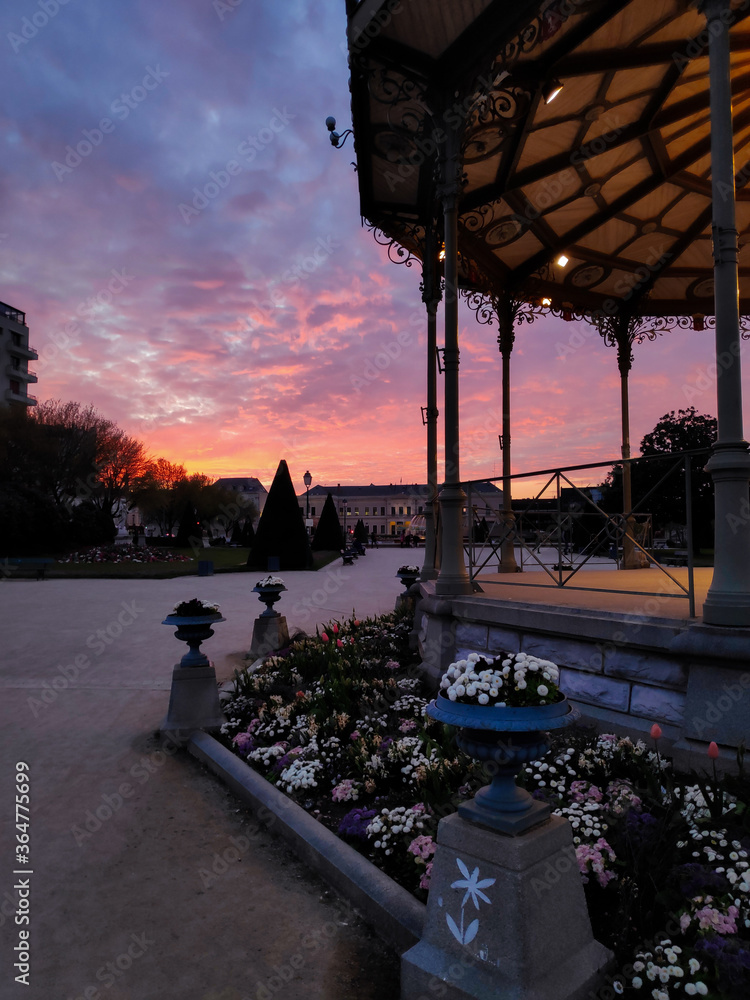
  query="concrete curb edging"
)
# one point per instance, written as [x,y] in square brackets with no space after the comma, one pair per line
[392,912]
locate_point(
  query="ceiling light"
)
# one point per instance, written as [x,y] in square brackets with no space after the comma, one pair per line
[562,260]
[547,302]
[551,90]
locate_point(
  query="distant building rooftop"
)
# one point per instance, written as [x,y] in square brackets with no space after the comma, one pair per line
[242,484]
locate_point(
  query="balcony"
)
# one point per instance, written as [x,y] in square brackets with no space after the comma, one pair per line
[10,313]
[19,373]
[19,397]
[23,351]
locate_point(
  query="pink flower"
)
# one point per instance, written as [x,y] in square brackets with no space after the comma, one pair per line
[713,750]
[354,735]
[656,731]
[339,643]
[335,630]
[324,637]
[422,847]
[684,922]
[424,882]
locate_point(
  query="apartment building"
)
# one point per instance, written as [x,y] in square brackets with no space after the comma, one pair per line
[15,355]
[388,510]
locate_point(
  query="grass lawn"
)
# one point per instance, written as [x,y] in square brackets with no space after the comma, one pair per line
[225,560]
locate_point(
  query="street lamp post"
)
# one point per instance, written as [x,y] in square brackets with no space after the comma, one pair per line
[307,479]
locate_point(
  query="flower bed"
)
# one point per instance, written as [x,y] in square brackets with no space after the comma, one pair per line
[337,722]
[124,554]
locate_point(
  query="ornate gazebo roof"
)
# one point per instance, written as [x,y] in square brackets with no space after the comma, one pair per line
[614,172]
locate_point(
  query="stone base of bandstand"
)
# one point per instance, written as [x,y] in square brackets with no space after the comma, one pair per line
[193,702]
[269,635]
[531,941]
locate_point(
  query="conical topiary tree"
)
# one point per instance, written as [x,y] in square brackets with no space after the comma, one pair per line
[360,531]
[328,534]
[281,531]
[247,536]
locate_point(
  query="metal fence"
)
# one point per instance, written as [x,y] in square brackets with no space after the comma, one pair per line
[564,528]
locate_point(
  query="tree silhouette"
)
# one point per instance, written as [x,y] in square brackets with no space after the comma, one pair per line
[684,430]
[328,534]
[281,531]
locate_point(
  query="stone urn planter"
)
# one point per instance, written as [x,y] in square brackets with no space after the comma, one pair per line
[408,575]
[270,631]
[194,695]
[193,629]
[504,739]
[269,595]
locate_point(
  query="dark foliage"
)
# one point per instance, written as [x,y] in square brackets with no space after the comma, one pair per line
[328,534]
[281,531]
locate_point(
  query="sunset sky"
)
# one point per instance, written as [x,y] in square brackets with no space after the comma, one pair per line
[200,274]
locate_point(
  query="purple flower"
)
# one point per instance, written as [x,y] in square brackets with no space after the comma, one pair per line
[694,879]
[355,823]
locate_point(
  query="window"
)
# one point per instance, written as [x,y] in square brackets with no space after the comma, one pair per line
[408,511]
[382,511]
[341,510]
[312,512]
[302,511]
[382,529]
[348,510]
[420,510]
[367,511]
[393,511]
[356,511]
[14,387]
[401,512]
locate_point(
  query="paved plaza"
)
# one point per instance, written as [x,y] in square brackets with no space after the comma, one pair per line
[147,878]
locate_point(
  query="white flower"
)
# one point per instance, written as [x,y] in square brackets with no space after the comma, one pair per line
[543,690]
[483,699]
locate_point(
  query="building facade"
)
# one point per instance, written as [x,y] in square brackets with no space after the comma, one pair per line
[387,510]
[15,355]
[247,488]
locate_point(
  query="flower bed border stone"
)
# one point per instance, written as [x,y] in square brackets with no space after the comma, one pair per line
[392,912]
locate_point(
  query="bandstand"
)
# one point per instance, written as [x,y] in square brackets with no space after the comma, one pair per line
[586,159]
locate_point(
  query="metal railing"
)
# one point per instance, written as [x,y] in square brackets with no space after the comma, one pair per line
[578,532]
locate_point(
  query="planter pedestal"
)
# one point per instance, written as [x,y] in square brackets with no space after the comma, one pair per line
[269,634]
[194,696]
[193,702]
[531,941]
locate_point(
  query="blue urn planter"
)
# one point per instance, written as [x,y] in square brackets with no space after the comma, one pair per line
[269,596]
[193,629]
[504,740]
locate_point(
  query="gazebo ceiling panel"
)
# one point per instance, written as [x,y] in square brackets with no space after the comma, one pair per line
[628,83]
[690,207]
[620,183]
[616,170]
[431,29]
[541,145]
[608,240]
[611,161]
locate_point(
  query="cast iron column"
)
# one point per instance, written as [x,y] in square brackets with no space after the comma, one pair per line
[431,297]
[728,600]
[453,577]
[505,340]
